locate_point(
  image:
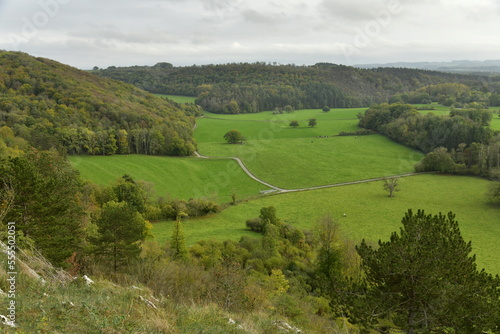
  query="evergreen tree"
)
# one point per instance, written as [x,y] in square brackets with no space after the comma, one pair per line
[44,204]
[178,240]
[425,280]
[121,229]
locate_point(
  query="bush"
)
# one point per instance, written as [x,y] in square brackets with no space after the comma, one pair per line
[255,225]
[438,160]
[198,207]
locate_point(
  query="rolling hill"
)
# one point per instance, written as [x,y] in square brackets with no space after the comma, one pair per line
[247,88]
[52,105]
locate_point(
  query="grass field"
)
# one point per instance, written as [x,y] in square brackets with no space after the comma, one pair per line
[302,157]
[300,115]
[306,162]
[495,123]
[180,178]
[439,110]
[369,212]
[179,98]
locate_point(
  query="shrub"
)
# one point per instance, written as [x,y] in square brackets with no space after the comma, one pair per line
[255,225]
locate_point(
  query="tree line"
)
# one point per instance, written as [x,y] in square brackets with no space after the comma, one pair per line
[460,143]
[453,94]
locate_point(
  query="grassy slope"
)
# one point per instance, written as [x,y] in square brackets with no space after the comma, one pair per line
[173,177]
[179,98]
[57,306]
[279,154]
[370,213]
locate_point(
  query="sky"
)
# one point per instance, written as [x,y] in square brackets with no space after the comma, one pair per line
[88,33]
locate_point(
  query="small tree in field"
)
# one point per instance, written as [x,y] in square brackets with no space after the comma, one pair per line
[391,185]
[312,122]
[233,137]
[294,124]
[326,108]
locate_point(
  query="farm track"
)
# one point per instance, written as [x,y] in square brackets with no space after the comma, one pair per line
[277,190]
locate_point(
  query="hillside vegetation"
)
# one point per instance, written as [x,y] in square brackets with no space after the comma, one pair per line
[51,105]
[247,88]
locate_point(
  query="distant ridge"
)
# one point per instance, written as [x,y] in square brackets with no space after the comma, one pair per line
[252,87]
[455,66]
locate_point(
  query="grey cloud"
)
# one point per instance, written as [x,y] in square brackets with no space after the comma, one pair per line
[257,17]
[351,10]
[121,32]
[202,39]
[149,36]
[222,5]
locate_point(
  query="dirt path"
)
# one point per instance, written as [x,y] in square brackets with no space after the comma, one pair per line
[282,191]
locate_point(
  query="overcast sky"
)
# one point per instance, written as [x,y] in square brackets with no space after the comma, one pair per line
[87,33]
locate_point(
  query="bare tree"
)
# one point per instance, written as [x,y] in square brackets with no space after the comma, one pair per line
[391,185]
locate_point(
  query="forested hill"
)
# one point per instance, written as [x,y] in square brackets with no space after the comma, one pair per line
[244,87]
[52,105]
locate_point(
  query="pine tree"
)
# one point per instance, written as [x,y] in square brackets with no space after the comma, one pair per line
[45,203]
[425,280]
[178,241]
[121,229]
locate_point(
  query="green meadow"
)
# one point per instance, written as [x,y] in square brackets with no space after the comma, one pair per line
[306,162]
[370,213]
[176,178]
[296,158]
[300,115]
[495,123]
[437,110]
[178,98]
[303,157]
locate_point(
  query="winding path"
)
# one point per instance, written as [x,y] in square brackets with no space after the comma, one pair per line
[282,191]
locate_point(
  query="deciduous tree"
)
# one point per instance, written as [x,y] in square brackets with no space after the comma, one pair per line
[233,137]
[391,185]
